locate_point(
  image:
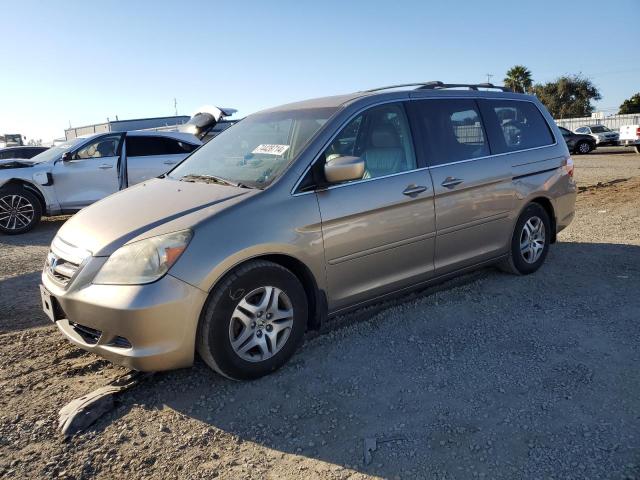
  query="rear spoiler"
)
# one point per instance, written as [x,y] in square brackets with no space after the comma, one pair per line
[204,119]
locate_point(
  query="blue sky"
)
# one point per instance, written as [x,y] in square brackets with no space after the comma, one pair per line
[81,62]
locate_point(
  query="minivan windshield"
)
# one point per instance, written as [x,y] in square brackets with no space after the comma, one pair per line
[57,151]
[256,150]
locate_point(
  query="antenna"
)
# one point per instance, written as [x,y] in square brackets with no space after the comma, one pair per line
[489,76]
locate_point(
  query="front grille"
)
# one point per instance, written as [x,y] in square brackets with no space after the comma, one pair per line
[64,261]
[88,334]
[61,270]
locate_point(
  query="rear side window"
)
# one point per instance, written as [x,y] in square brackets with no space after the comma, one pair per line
[138,146]
[451,130]
[519,125]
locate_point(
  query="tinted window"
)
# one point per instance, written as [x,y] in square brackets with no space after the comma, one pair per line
[521,125]
[381,137]
[564,131]
[451,130]
[146,146]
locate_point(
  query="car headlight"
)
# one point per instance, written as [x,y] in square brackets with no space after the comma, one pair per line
[144,261]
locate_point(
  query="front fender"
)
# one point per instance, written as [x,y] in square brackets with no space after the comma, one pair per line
[25,176]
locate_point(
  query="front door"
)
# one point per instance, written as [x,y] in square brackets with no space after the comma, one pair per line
[89,174]
[378,231]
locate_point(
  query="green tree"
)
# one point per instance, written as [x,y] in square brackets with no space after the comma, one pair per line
[519,79]
[568,96]
[630,105]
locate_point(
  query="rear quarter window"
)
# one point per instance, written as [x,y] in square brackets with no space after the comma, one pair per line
[516,125]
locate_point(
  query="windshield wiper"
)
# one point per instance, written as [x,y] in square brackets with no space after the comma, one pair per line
[192,177]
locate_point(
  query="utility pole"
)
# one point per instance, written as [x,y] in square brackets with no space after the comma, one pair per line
[489,75]
[175,106]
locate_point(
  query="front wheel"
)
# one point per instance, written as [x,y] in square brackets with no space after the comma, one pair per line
[253,322]
[530,241]
[20,210]
[583,148]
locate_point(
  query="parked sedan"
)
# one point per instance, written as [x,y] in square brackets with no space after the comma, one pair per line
[601,134]
[68,177]
[578,142]
[21,152]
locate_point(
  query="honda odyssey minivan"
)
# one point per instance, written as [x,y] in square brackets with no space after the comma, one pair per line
[305,211]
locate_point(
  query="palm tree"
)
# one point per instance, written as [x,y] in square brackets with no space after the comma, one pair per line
[518,79]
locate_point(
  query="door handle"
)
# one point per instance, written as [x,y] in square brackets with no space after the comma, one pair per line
[414,189]
[105,166]
[451,182]
[169,162]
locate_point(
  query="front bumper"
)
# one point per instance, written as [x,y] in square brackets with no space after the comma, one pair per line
[607,141]
[144,327]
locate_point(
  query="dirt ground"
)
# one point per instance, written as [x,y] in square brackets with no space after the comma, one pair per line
[494,376]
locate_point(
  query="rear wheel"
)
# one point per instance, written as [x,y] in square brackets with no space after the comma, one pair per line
[583,147]
[253,322]
[530,241]
[20,210]
[637,148]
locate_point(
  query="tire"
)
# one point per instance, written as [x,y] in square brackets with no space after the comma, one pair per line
[637,148]
[518,262]
[233,313]
[20,210]
[583,148]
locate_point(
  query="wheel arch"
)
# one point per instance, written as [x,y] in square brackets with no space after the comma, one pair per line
[28,186]
[545,203]
[316,298]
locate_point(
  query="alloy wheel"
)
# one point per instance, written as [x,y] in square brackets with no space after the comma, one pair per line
[16,212]
[584,148]
[532,240]
[261,324]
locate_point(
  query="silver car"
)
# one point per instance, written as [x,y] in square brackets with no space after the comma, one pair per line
[83,170]
[302,212]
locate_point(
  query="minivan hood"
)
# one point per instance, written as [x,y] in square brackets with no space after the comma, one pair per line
[106,225]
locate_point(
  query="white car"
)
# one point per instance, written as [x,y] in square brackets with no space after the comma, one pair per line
[601,134]
[77,173]
[630,136]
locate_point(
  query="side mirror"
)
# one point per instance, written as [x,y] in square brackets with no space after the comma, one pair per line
[66,156]
[343,169]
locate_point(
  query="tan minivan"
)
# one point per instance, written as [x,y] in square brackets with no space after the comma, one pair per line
[302,212]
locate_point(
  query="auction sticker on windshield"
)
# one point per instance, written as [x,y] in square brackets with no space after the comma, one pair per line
[271,149]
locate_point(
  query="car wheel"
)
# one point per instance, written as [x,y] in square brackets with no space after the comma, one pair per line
[583,148]
[20,210]
[253,322]
[530,241]
[637,148]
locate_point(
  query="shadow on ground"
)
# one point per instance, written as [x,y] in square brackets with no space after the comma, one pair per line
[503,376]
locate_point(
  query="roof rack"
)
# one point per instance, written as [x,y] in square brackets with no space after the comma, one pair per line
[437,85]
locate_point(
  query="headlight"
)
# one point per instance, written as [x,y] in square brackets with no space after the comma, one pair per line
[145,261]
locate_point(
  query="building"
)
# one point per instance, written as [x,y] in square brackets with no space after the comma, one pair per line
[156,123]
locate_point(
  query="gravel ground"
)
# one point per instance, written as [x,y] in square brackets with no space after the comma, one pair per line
[494,376]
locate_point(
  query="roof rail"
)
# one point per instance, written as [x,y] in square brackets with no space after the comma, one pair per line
[437,85]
